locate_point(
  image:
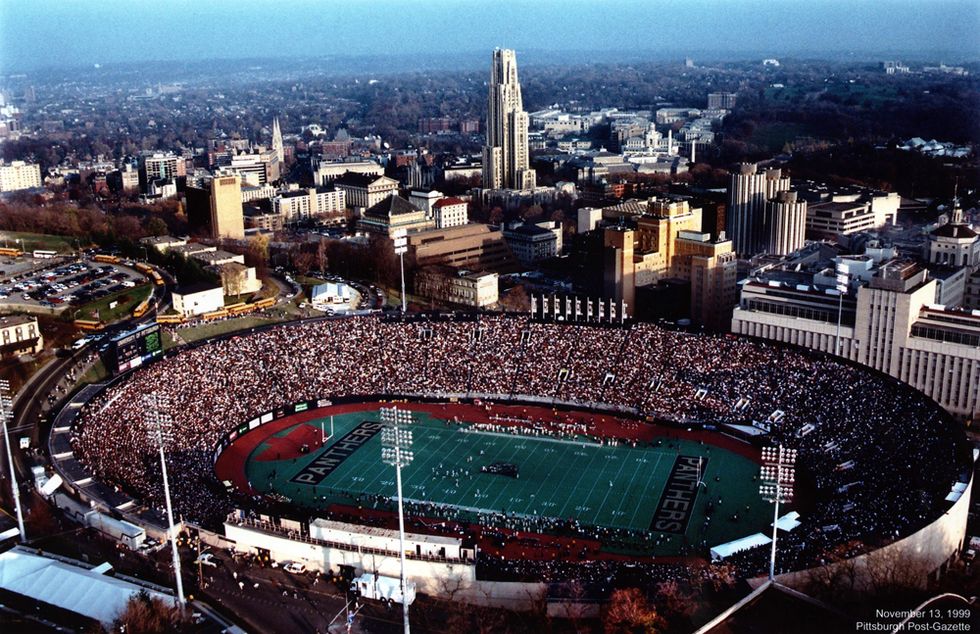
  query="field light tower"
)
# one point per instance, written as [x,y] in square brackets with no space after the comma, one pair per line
[400,241]
[159,429]
[843,280]
[396,450]
[778,476]
[7,412]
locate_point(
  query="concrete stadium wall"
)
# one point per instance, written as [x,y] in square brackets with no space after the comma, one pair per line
[449,580]
[911,561]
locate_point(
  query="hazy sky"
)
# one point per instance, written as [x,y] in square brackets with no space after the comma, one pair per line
[35,33]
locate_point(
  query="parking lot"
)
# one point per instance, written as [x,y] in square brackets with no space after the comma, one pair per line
[67,283]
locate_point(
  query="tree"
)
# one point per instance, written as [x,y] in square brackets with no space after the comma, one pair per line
[144,614]
[496,216]
[321,256]
[629,611]
[516,300]
[156,227]
[303,262]
[257,254]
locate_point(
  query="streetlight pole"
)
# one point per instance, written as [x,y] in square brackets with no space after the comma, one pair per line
[396,450]
[159,425]
[7,406]
[778,475]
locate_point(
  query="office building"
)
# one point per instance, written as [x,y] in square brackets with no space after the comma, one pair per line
[159,166]
[531,243]
[197,299]
[588,219]
[890,323]
[236,278]
[471,246]
[664,244]
[618,267]
[303,204]
[785,221]
[506,154]
[446,284]
[326,172]
[365,190]
[215,208]
[394,214]
[20,334]
[449,212]
[18,175]
[253,192]
[748,192]
[721,100]
[255,168]
[971,292]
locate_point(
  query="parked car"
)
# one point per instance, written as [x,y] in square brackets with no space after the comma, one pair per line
[295,568]
[207,559]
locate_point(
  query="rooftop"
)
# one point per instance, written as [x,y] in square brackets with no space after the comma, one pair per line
[393,205]
[445,202]
[954,231]
[354,179]
[197,287]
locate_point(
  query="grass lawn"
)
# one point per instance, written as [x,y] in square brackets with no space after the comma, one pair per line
[127,300]
[31,241]
[94,374]
[206,331]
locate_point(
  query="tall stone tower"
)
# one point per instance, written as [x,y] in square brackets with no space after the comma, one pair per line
[506,154]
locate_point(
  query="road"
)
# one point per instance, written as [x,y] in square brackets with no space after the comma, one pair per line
[272,600]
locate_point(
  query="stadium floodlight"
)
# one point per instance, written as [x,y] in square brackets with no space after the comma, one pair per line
[778,475]
[396,450]
[7,413]
[159,427]
[843,282]
[400,241]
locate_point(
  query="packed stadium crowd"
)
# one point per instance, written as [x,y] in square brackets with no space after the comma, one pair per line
[878,456]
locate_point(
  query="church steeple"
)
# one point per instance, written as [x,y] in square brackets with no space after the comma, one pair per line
[277,141]
[957,215]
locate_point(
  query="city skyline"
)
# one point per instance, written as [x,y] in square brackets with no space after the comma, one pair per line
[52,34]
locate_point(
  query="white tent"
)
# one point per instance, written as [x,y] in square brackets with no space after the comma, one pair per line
[730,548]
[788,522]
[72,588]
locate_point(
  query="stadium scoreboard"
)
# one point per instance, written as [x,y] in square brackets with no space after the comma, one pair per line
[134,348]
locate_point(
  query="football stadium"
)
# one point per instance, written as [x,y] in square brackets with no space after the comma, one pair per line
[547,451]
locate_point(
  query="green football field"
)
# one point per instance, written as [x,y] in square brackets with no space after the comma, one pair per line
[598,485]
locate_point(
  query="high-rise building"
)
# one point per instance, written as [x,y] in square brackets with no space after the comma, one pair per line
[619,271]
[748,193]
[722,100]
[19,175]
[215,208]
[158,166]
[785,220]
[227,220]
[506,153]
